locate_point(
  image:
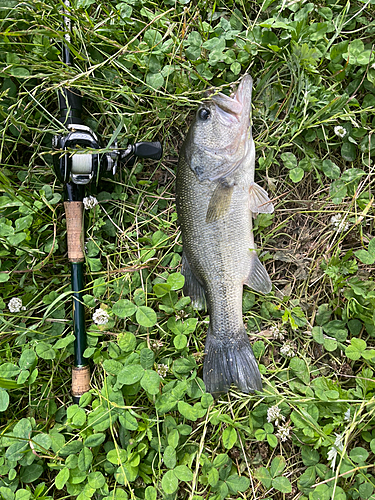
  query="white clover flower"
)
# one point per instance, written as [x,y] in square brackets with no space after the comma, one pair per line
[347,415]
[15,305]
[274,415]
[332,452]
[89,202]
[283,432]
[162,370]
[373,66]
[277,333]
[100,317]
[156,344]
[287,350]
[339,224]
[340,131]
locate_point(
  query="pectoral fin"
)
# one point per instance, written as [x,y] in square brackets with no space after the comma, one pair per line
[258,278]
[192,286]
[220,201]
[259,202]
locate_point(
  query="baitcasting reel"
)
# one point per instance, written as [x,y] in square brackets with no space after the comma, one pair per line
[82,166]
[78,162]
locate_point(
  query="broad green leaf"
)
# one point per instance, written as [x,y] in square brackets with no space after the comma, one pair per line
[169,482]
[62,478]
[229,437]
[282,484]
[113,367]
[359,455]
[330,169]
[169,457]
[238,483]
[85,459]
[151,382]
[321,492]
[296,174]
[76,415]
[130,374]
[213,477]
[183,473]
[161,289]
[260,434]
[42,442]
[173,438]
[146,316]
[300,369]
[180,342]
[221,459]
[289,160]
[277,466]
[155,80]
[272,440]
[355,349]
[349,151]
[147,358]
[176,281]
[150,493]
[338,191]
[187,411]
[127,341]
[22,494]
[307,479]
[207,400]
[45,351]
[94,440]
[9,370]
[4,399]
[128,421]
[309,456]
[96,480]
[365,256]
[95,264]
[23,223]
[330,344]
[30,473]
[117,456]
[264,477]
[123,308]
[64,342]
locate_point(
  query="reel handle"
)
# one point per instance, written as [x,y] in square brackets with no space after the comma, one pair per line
[152,150]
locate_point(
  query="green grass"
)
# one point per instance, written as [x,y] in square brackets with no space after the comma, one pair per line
[147,429]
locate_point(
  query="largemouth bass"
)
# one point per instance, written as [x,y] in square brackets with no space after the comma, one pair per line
[216,198]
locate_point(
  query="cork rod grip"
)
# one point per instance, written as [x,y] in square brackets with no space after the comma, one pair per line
[74,227]
[80,381]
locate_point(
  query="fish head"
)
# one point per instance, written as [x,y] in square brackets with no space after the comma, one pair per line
[218,137]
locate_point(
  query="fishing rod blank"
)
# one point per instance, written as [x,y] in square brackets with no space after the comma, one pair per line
[77,162]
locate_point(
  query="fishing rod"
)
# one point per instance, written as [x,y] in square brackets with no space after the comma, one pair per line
[76,164]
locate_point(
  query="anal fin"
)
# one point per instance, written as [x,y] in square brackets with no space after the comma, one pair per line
[220,201]
[259,202]
[258,278]
[192,286]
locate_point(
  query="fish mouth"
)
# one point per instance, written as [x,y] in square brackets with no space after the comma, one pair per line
[232,110]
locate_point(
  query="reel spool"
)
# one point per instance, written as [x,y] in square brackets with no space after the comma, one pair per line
[80,167]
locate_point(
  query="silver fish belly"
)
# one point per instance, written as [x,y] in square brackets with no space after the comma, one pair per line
[215,198]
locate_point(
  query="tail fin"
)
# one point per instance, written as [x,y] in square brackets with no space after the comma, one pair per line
[230,363]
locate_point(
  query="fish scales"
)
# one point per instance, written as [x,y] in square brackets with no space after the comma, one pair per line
[214,191]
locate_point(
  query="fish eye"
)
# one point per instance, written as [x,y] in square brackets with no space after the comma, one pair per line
[204,114]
